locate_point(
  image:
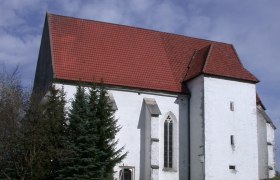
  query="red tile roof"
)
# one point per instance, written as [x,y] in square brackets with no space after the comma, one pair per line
[126,56]
[197,63]
[223,61]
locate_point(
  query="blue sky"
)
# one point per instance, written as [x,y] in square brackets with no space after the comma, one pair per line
[252,26]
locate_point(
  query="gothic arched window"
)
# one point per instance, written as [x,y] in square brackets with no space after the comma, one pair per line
[168,142]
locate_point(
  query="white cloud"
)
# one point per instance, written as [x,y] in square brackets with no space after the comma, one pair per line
[9,18]
[198,26]
[66,7]
[15,50]
[106,12]
[165,16]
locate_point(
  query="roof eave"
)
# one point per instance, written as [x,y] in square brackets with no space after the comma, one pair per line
[223,77]
[123,88]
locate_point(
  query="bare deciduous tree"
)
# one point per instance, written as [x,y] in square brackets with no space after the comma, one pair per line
[16,156]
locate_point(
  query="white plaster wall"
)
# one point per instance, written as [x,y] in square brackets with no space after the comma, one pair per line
[221,122]
[130,106]
[195,87]
[145,149]
[271,149]
[262,145]
[154,147]
[154,144]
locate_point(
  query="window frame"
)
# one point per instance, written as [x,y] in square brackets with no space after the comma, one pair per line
[130,168]
[173,154]
[168,143]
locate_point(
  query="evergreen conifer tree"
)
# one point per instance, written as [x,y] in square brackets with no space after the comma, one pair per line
[73,168]
[91,132]
[83,163]
[54,124]
[107,129]
[95,171]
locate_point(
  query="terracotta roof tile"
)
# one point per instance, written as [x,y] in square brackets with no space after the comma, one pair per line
[88,51]
[223,61]
[196,65]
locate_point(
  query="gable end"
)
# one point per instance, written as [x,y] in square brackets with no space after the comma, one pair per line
[44,70]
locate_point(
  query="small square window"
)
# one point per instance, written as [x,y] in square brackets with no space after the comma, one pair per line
[232,167]
[126,173]
[232,106]
[232,140]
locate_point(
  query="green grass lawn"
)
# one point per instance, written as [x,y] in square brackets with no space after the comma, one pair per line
[276,178]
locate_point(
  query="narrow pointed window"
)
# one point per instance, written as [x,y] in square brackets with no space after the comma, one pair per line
[168,143]
[165,143]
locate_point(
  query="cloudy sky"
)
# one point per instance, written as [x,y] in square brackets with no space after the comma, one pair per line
[252,26]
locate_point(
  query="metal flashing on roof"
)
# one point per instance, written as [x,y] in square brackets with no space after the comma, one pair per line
[152,106]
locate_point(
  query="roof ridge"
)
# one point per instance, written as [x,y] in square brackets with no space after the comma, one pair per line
[135,27]
[211,46]
[166,53]
[189,65]
[192,62]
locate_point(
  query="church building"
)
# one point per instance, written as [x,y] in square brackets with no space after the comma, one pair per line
[187,107]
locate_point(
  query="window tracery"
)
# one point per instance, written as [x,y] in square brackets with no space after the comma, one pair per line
[168,142]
